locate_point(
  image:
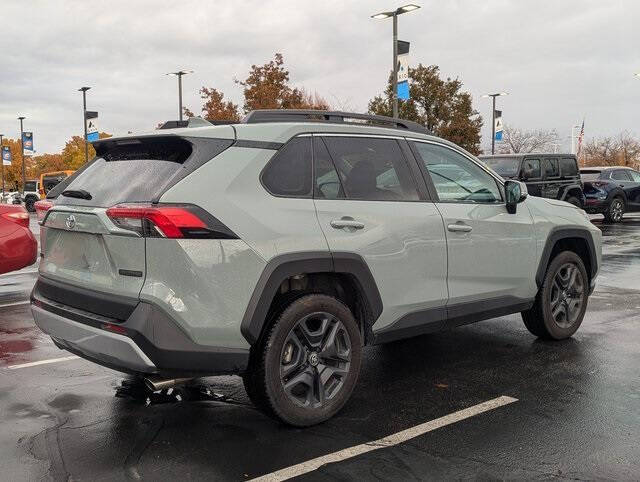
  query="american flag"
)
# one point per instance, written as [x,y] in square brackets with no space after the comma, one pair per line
[580,139]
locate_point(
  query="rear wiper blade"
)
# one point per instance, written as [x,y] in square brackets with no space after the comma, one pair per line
[79,194]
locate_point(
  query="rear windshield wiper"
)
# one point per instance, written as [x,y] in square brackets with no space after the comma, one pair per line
[79,194]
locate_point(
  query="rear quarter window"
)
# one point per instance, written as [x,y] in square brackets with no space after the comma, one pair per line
[288,173]
[568,167]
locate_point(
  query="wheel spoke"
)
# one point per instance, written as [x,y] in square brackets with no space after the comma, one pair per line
[305,380]
[331,349]
[313,329]
[297,355]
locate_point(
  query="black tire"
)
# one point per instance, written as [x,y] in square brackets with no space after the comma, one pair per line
[540,319]
[615,211]
[575,201]
[29,204]
[267,375]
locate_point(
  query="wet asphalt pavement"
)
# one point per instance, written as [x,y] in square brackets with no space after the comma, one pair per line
[577,414]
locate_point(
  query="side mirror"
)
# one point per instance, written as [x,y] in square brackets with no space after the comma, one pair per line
[515,193]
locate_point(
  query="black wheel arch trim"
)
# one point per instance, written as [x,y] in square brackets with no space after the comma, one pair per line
[558,234]
[284,266]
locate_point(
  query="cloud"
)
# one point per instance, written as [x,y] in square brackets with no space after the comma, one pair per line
[559,60]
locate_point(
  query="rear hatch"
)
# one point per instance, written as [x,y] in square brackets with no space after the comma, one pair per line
[84,243]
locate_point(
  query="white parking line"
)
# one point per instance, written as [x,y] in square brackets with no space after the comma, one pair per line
[43,362]
[389,441]
[17,303]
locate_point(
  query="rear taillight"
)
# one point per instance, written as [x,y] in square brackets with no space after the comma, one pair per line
[18,217]
[168,221]
[41,208]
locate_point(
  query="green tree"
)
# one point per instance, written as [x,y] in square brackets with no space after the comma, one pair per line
[438,104]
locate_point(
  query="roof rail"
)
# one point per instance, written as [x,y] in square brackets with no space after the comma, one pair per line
[190,122]
[332,117]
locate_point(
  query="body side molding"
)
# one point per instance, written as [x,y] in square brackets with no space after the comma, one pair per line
[442,318]
[282,267]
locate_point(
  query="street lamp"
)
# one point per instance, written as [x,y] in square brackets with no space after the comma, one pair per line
[21,118]
[84,118]
[179,74]
[2,159]
[394,14]
[493,118]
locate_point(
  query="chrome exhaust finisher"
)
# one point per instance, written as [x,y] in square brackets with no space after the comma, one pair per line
[156,384]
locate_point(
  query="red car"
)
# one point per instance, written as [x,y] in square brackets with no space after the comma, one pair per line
[18,246]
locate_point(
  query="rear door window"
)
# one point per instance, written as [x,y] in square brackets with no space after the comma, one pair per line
[327,181]
[620,175]
[136,170]
[635,175]
[550,168]
[372,169]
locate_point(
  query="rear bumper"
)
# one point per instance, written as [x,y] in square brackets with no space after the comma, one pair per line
[148,341]
[596,205]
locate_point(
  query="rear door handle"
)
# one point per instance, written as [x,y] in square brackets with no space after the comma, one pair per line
[459,228]
[346,223]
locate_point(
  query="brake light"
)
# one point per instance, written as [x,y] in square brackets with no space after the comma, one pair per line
[166,221]
[41,208]
[19,217]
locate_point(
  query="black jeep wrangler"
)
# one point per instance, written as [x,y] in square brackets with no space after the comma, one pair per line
[554,176]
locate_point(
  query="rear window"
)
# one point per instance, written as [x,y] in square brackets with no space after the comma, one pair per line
[568,166]
[30,186]
[137,170]
[589,175]
[505,166]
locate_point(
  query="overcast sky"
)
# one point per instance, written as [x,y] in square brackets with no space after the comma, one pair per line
[559,60]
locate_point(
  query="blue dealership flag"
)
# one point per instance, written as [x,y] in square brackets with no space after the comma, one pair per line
[403,90]
[27,142]
[6,156]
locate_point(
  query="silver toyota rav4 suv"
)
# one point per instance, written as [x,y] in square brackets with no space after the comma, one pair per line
[278,247]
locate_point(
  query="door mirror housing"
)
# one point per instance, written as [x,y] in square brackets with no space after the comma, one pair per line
[515,192]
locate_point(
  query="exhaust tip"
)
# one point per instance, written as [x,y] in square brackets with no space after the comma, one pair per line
[156,384]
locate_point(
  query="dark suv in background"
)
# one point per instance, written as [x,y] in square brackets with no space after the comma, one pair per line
[611,191]
[554,176]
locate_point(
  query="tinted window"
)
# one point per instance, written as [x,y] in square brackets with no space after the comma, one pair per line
[589,174]
[635,175]
[531,168]
[457,178]
[505,166]
[289,172]
[134,170]
[550,167]
[30,186]
[327,184]
[620,175]
[569,167]
[371,168]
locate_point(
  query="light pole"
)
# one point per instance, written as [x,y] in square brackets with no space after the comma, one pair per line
[2,158]
[84,119]
[493,118]
[394,14]
[21,118]
[573,138]
[179,74]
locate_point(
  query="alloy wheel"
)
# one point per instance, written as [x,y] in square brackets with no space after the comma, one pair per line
[315,360]
[567,295]
[617,210]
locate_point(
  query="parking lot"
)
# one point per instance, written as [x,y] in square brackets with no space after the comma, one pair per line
[483,401]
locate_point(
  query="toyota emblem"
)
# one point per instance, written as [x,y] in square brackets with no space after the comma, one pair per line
[71,221]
